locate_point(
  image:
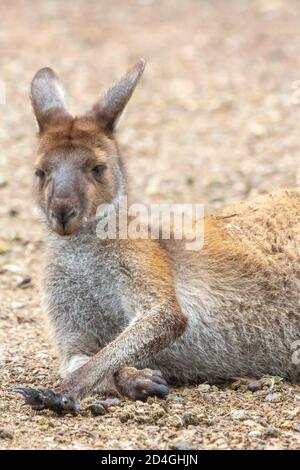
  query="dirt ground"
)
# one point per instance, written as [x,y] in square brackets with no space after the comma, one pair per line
[214,120]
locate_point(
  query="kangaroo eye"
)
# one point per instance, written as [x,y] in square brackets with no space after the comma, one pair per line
[40,173]
[98,169]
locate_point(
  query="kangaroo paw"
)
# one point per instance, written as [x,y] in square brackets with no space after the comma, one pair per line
[140,384]
[44,398]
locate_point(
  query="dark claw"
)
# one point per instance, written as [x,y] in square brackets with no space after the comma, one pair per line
[150,388]
[44,398]
[58,402]
[159,380]
[32,397]
[157,372]
[139,384]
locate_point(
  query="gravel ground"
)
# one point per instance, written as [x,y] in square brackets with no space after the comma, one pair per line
[214,120]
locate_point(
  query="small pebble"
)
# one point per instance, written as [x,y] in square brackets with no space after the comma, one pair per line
[239,415]
[17,305]
[110,402]
[13,268]
[97,409]
[178,399]
[179,445]
[3,182]
[24,282]
[189,418]
[4,248]
[296,426]
[204,388]
[6,434]
[271,432]
[100,407]
[13,212]
[255,434]
[254,386]
[263,422]
[249,422]
[294,413]
[273,397]
[286,425]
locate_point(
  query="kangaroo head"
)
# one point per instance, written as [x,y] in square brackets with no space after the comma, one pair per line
[78,165]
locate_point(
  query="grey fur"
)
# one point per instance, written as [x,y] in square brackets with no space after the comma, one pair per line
[231,309]
[91,298]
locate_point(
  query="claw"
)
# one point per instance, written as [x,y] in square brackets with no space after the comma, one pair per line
[31,396]
[57,402]
[44,398]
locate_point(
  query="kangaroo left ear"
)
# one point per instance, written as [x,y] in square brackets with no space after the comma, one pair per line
[48,98]
[108,110]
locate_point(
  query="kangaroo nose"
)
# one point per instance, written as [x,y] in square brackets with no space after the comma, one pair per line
[63,215]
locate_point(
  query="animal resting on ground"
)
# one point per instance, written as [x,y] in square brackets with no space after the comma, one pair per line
[130,316]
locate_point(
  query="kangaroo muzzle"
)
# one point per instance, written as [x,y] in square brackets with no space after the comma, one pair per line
[64,207]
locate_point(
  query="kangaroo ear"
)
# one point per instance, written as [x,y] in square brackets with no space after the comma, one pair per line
[48,98]
[109,108]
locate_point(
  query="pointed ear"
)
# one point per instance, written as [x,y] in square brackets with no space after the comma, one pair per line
[110,107]
[48,98]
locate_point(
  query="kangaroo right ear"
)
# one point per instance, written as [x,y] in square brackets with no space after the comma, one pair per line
[48,98]
[109,108]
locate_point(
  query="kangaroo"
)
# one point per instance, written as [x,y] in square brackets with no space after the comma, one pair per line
[131,316]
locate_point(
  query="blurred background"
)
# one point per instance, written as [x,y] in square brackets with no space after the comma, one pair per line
[212,118]
[215,120]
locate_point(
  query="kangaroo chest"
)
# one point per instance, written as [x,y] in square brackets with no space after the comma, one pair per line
[86,284]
